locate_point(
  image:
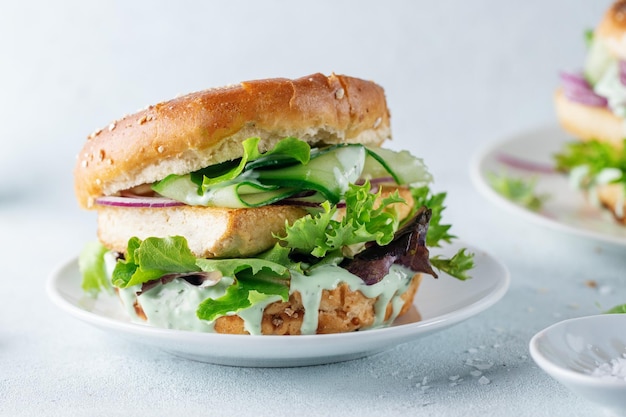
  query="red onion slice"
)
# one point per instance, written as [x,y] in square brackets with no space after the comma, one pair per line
[576,88]
[146,202]
[524,165]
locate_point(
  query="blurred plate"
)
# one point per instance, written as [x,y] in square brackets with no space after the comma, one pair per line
[529,156]
[440,303]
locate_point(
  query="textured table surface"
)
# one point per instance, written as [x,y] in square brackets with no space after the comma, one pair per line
[458,76]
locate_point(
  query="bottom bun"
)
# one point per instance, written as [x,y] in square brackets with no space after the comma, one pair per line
[341,310]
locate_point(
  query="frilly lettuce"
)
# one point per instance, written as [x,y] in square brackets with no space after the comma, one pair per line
[322,233]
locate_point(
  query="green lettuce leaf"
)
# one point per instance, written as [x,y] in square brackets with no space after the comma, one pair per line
[588,36]
[462,262]
[517,190]
[620,309]
[457,266]
[250,153]
[236,298]
[152,258]
[321,233]
[290,148]
[249,288]
[92,268]
[233,266]
[437,232]
[594,155]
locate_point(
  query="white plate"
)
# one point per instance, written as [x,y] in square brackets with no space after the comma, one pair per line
[441,303]
[530,156]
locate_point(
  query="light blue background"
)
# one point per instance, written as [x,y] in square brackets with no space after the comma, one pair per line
[458,75]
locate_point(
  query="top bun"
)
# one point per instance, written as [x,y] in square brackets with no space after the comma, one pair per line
[612,29]
[207,127]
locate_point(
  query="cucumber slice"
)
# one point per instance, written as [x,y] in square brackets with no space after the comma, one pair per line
[177,187]
[598,61]
[329,172]
[245,195]
[402,166]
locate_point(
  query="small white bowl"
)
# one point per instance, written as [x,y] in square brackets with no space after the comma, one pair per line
[570,352]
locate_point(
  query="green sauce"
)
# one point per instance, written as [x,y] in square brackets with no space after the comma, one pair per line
[174,304]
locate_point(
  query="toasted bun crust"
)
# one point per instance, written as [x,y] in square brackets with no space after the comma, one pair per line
[207,127]
[341,310]
[586,122]
[613,24]
[612,29]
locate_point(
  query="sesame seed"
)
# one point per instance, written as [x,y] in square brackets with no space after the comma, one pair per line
[143,119]
[94,134]
[101,155]
[339,94]
[112,126]
[84,163]
[377,122]
[98,181]
[160,149]
[110,161]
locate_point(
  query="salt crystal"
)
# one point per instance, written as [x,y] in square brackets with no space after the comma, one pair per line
[614,369]
[483,380]
[472,350]
[479,364]
[496,345]
[476,373]
[454,377]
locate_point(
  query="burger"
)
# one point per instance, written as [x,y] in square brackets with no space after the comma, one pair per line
[266,207]
[591,106]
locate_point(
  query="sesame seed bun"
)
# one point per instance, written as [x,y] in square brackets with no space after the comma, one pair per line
[612,29]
